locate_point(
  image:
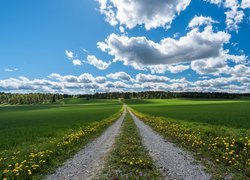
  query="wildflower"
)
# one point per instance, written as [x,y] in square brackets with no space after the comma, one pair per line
[29,172]
[5,171]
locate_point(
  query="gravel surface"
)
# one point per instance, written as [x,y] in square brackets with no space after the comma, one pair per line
[172,161]
[90,159]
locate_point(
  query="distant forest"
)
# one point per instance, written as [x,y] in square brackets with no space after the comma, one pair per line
[162,95]
[40,98]
[32,98]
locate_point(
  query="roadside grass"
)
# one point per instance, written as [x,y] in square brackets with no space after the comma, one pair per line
[43,143]
[228,149]
[229,113]
[31,126]
[129,159]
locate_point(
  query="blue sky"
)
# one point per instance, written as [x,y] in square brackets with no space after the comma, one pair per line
[86,46]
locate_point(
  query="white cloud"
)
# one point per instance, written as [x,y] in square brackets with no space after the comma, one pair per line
[163,68]
[218,65]
[217,2]
[87,83]
[120,85]
[55,76]
[120,75]
[77,62]
[130,13]
[69,54]
[100,79]
[140,52]
[234,14]
[233,18]
[176,35]
[151,78]
[10,69]
[69,78]
[240,70]
[201,20]
[213,66]
[85,78]
[85,50]
[245,4]
[102,65]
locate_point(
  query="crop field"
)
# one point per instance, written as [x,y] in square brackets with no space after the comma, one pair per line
[214,129]
[36,139]
[27,130]
[229,113]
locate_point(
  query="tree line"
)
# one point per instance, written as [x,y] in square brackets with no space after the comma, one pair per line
[162,95]
[31,98]
[41,98]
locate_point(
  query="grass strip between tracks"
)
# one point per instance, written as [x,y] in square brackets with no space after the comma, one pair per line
[129,159]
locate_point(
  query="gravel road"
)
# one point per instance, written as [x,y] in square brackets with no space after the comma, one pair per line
[174,162]
[90,159]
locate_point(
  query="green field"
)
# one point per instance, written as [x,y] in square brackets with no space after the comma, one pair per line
[217,130]
[25,126]
[46,135]
[229,113]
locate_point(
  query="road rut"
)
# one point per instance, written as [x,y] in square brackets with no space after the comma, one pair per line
[173,162]
[88,161]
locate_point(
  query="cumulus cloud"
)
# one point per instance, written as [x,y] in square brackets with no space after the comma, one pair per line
[201,20]
[245,4]
[87,83]
[164,68]
[217,66]
[25,84]
[210,66]
[240,70]
[83,78]
[100,79]
[234,18]
[234,14]
[55,76]
[77,62]
[140,52]
[99,64]
[151,78]
[130,13]
[73,58]
[120,75]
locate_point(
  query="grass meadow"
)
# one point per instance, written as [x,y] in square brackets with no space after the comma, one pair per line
[30,131]
[229,113]
[217,130]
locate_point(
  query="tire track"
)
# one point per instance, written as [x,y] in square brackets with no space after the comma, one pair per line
[174,162]
[90,159]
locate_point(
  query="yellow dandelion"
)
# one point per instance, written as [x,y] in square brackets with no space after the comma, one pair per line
[5,171]
[29,172]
